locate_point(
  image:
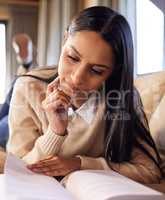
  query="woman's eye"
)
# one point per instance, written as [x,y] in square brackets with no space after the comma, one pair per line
[73,59]
[96,71]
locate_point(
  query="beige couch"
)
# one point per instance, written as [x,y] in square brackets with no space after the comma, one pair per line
[152,91]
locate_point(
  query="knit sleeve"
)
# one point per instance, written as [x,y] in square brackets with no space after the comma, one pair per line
[26,139]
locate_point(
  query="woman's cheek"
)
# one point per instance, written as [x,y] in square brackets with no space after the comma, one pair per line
[94,84]
[62,69]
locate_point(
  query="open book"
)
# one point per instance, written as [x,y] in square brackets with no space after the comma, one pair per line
[19,183]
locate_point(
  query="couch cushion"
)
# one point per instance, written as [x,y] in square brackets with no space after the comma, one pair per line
[152,91]
[151,88]
[157,124]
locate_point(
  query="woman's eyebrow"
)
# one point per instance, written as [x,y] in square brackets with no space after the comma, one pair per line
[99,65]
[75,50]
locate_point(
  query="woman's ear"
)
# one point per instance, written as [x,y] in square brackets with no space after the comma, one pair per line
[65,37]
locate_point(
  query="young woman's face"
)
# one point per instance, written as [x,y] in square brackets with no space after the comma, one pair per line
[86,61]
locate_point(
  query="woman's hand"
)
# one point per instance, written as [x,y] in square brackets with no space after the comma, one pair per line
[56,166]
[56,106]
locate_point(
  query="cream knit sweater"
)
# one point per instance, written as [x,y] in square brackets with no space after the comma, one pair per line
[31,138]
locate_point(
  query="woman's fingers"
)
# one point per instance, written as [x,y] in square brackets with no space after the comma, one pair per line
[43,169]
[53,101]
[53,85]
[58,106]
[53,160]
[50,167]
[50,171]
[56,166]
[53,97]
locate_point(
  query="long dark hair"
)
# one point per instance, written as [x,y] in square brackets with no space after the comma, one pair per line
[126,128]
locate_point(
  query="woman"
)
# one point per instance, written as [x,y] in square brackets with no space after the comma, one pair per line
[90,116]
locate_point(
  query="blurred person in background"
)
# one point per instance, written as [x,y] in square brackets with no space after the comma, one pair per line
[25,52]
[26,58]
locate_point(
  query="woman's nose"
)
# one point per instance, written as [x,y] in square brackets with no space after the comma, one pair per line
[77,77]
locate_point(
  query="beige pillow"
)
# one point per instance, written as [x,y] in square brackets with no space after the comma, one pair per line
[157,124]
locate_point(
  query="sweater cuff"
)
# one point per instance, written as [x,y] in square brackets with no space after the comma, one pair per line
[93,163]
[50,143]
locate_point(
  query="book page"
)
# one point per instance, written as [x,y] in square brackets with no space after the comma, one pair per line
[22,184]
[108,185]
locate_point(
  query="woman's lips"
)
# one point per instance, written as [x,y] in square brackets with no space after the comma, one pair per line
[73,93]
[67,90]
